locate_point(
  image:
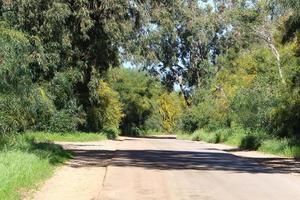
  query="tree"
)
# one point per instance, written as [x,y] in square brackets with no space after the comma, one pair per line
[76,37]
[138,93]
[293,23]
[106,111]
[183,40]
[170,109]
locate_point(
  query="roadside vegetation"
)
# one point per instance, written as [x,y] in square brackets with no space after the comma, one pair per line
[218,71]
[68,137]
[247,140]
[25,163]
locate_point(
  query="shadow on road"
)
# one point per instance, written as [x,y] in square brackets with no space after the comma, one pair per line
[188,160]
[90,158]
[178,160]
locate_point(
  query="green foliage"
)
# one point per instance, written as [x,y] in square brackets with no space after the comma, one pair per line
[41,108]
[63,121]
[106,111]
[247,140]
[138,94]
[211,112]
[13,116]
[189,120]
[248,92]
[111,133]
[14,80]
[58,59]
[284,147]
[65,137]
[170,109]
[251,107]
[154,123]
[201,135]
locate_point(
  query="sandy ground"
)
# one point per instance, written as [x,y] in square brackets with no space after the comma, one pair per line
[167,169]
[82,177]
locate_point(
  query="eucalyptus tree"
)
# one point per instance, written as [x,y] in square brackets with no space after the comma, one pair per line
[80,41]
[292,26]
[182,39]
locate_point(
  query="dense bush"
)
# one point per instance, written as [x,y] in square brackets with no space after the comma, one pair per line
[249,93]
[63,121]
[13,116]
[14,80]
[286,116]
[170,108]
[154,123]
[106,111]
[111,133]
[252,107]
[189,121]
[41,108]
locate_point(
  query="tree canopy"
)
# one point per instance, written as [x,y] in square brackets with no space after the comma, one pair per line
[197,64]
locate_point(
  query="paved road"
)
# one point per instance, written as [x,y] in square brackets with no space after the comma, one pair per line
[165,169]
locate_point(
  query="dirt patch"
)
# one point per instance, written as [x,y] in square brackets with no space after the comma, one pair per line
[82,177]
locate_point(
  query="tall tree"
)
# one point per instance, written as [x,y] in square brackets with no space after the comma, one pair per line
[183,39]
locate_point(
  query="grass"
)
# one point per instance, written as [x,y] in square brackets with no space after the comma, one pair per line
[28,159]
[248,140]
[24,164]
[284,147]
[66,137]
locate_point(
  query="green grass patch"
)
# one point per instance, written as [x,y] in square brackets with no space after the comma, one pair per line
[67,137]
[284,147]
[24,163]
[184,136]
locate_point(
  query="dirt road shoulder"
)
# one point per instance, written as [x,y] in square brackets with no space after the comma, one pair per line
[82,177]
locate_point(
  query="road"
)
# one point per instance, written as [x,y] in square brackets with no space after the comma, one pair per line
[169,169]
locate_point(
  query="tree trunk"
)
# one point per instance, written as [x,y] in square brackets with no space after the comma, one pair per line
[278,61]
[268,38]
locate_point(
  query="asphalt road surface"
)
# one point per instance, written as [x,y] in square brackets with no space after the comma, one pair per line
[168,169]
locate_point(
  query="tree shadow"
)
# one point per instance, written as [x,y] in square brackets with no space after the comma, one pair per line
[207,160]
[160,137]
[283,165]
[187,160]
[91,158]
[53,152]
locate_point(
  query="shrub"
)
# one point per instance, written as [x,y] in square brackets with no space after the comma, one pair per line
[133,131]
[106,111]
[252,106]
[67,119]
[286,116]
[250,142]
[170,109]
[13,116]
[206,136]
[189,121]
[63,121]
[210,112]
[277,146]
[111,133]
[153,123]
[41,108]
